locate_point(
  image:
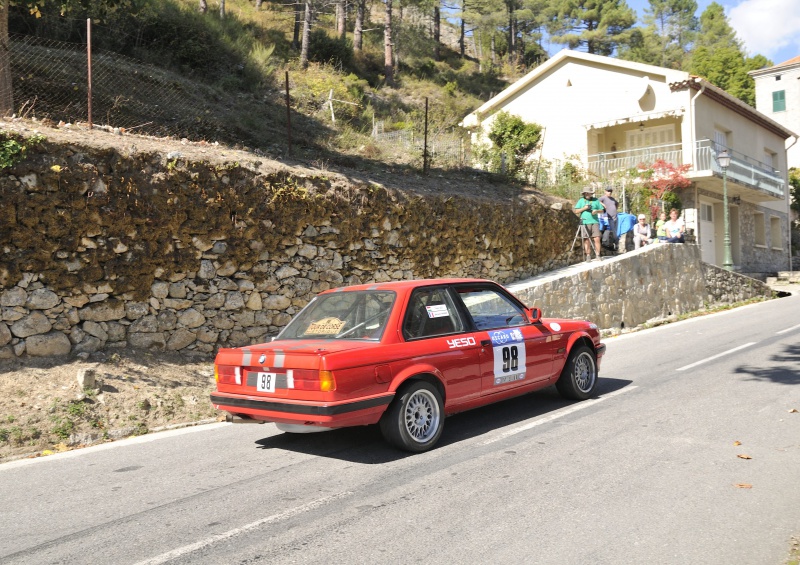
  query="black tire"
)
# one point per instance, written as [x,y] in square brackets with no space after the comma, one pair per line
[578,379]
[415,419]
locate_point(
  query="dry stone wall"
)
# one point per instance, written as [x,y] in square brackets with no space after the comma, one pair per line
[103,248]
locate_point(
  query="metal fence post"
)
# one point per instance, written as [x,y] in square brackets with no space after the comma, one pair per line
[425,141]
[288,115]
[89,67]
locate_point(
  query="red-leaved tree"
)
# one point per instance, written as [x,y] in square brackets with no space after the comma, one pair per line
[662,177]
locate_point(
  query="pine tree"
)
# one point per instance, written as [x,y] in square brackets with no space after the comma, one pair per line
[599,26]
[669,31]
[719,56]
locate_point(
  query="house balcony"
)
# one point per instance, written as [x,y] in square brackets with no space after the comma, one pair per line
[745,174]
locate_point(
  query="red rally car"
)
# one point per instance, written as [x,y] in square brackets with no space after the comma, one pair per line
[404,355]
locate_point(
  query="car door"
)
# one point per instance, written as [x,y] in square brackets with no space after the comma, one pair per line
[435,330]
[514,352]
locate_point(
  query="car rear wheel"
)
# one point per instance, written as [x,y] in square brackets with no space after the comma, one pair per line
[579,377]
[415,419]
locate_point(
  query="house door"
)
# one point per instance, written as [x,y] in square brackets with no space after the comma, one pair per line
[707,235]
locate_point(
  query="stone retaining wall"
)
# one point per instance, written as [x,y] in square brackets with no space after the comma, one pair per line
[105,248]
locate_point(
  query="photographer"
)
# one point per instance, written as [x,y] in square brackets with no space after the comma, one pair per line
[588,208]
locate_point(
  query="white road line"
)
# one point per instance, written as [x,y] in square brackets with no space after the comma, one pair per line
[555,415]
[788,329]
[155,436]
[186,549]
[716,356]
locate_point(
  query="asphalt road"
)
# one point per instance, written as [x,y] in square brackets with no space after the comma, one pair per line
[648,472]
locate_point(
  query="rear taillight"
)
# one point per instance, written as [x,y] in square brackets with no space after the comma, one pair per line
[227,375]
[305,379]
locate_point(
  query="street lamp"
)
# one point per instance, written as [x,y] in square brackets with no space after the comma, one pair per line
[724,161]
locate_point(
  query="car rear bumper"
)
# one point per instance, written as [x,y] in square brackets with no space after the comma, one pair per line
[362,411]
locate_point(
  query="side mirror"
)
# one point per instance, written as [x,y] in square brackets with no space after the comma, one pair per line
[534,315]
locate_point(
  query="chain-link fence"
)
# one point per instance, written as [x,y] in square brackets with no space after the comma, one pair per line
[50,80]
[444,150]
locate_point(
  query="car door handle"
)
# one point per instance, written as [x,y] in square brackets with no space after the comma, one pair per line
[486,343]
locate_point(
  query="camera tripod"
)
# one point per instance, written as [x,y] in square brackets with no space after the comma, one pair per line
[583,233]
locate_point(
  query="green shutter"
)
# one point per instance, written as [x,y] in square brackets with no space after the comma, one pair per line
[779,101]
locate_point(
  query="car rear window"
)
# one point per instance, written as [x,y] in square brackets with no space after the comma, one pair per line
[342,315]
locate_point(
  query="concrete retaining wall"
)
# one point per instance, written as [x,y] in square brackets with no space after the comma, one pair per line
[641,286]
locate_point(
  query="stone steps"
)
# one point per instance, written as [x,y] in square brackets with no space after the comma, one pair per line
[785,277]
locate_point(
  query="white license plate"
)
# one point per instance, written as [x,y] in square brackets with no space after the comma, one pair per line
[266,382]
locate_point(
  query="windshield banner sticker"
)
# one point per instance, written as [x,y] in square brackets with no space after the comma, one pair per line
[325,326]
[508,349]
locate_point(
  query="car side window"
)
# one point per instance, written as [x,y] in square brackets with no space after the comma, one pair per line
[490,309]
[431,312]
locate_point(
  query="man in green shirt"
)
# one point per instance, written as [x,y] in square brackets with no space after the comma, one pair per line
[588,208]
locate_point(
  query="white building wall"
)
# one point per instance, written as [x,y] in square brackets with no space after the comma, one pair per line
[576,94]
[787,79]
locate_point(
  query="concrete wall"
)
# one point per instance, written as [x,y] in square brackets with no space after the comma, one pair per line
[642,286]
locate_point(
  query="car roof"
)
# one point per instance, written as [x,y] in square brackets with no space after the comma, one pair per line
[404,285]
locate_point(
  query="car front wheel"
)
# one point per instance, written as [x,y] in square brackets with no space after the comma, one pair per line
[415,419]
[579,377]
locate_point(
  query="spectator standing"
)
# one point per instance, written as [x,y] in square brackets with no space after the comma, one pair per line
[675,227]
[588,208]
[661,233]
[610,204]
[641,232]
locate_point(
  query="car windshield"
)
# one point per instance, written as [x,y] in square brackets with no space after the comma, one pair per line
[342,315]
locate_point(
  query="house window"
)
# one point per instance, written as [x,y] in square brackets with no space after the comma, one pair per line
[706,212]
[769,160]
[720,140]
[777,77]
[775,233]
[760,235]
[779,101]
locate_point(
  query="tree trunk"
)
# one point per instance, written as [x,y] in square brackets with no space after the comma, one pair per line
[437,33]
[512,37]
[203,7]
[222,9]
[341,18]
[478,44]
[306,35]
[461,36]
[359,25]
[494,52]
[258,4]
[388,55]
[6,86]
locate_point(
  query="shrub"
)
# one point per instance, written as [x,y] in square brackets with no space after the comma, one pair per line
[322,48]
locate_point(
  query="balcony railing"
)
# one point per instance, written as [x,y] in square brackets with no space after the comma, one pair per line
[743,169]
[604,165]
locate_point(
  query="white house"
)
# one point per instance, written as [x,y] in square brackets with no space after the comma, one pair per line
[778,96]
[612,115]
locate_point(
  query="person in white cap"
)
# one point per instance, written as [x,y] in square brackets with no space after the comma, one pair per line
[588,208]
[642,234]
